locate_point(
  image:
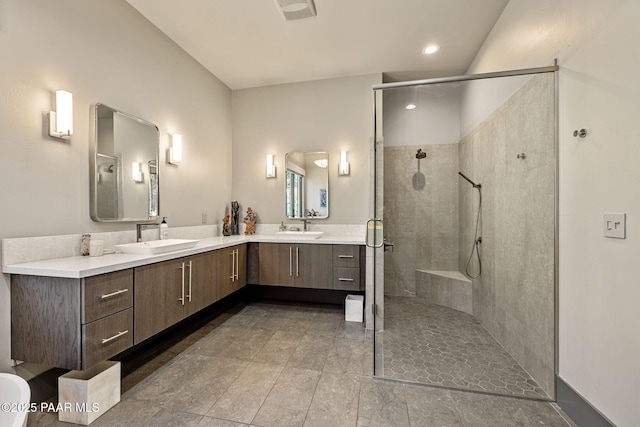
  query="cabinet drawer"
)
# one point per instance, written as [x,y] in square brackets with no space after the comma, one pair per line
[107,337]
[347,279]
[107,294]
[346,256]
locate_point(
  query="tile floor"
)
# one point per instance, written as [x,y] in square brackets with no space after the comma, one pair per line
[436,345]
[280,364]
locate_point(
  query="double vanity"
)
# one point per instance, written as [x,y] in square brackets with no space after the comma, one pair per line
[75,312]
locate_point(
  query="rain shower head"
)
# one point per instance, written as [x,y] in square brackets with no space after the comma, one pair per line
[420,154]
[470,182]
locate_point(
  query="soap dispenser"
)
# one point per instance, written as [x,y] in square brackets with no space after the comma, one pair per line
[164,229]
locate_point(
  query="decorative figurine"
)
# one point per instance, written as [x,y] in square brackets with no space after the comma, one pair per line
[235,225]
[84,246]
[250,222]
[226,225]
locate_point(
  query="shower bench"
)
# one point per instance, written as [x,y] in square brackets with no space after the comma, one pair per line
[448,288]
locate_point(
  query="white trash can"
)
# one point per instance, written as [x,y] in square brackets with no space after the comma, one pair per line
[354,308]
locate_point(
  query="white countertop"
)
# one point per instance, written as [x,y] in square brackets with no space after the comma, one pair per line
[77,267]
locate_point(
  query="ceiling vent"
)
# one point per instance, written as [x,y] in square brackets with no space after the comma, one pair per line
[292,10]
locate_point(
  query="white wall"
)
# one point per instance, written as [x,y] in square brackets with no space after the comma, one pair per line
[596,44]
[324,115]
[101,51]
[435,120]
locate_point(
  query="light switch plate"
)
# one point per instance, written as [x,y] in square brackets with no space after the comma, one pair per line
[615,225]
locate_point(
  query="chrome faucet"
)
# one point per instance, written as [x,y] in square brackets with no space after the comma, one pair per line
[144,226]
[305,223]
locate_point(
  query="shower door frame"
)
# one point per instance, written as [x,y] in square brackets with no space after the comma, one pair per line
[377,208]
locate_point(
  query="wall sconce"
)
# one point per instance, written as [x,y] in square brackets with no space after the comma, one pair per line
[136,171]
[271,168]
[61,120]
[343,167]
[175,151]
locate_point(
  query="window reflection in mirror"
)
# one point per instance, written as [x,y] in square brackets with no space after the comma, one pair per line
[307,185]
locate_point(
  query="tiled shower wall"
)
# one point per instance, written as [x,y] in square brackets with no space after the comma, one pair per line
[420,213]
[514,296]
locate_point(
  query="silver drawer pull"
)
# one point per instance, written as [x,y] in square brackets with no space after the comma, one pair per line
[342,279]
[345,256]
[118,335]
[113,294]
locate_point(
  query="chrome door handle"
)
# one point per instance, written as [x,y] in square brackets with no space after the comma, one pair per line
[118,335]
[233,266]
[290,261]
[190,272]
[374,233]
[297,261]
[237,264]
[113,294]
[181,299]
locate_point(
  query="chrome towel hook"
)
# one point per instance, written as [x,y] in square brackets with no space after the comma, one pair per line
[582,133]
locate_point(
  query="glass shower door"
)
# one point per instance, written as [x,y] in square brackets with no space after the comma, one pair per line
[491,139]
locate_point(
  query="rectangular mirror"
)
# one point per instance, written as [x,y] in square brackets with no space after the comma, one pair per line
[307,185]
[123,167]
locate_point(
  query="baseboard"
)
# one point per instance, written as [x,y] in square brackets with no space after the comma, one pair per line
[578,408]
[281,293]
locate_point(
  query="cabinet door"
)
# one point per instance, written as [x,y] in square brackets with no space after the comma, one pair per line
[232,269]
[277,264]
[106,337]
[107,294]
[313,268]
[157,293]
[346,278]
[346,256]
[200,282]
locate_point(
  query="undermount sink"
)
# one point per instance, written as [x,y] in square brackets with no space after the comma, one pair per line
[156,246]
[310,235]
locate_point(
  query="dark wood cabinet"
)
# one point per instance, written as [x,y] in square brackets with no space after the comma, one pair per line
[170,291]
[276,264]
[200,282]
[232,269]
[304,265]
[158,298]
[71,323]
[76,323]
[348,270]
[311,265]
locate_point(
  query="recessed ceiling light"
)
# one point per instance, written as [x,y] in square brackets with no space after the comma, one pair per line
[321,163]
[296,9]
[431,49]
[410,106]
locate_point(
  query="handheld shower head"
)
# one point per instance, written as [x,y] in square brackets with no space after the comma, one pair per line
[470,182]
[420,154]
